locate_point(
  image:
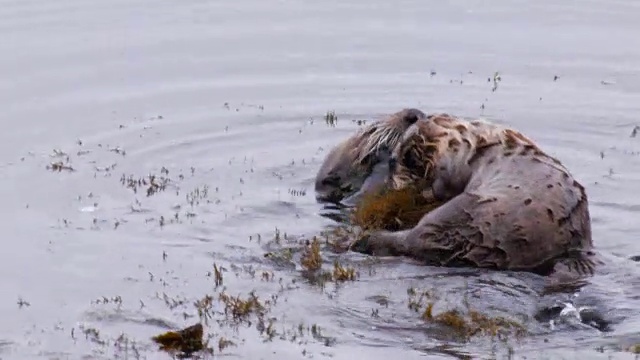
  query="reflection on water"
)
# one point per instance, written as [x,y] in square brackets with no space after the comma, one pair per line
[226,101]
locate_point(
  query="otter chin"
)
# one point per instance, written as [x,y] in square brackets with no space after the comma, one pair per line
[359,161]
[506,204]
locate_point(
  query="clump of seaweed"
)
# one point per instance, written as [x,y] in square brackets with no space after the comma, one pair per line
[311,262]
[153,184]
[476,323]
[239,308]
[59,166]
[393,209]
[466,324]
[341,273]
[331,118]
[184,342]
[311,258]
[224,343]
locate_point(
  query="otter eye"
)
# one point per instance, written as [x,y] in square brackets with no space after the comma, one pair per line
[368,160]
[393,164]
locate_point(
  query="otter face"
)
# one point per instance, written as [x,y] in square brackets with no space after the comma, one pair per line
[412,160]
[363,158]
[342,174]
[378,178]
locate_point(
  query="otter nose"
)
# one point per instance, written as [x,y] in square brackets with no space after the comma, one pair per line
[412,116]
[332,180]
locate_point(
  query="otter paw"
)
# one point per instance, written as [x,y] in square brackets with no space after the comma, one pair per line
[376,243]
[362,244]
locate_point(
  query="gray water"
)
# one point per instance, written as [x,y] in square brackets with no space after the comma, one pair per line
[231,96]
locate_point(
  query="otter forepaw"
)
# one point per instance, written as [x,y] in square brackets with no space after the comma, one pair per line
[572,273]
[377,243]
[361,244]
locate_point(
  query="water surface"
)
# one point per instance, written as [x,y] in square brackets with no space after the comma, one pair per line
[231,96]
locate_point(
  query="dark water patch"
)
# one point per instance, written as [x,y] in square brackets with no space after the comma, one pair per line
[447,352]
[115,316]
[618,206]
[5,346]
[274,209]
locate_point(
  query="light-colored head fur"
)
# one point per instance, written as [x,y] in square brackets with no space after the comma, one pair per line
[348,164]
[447,146]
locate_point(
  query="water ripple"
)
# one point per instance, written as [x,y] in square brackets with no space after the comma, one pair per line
[227,100]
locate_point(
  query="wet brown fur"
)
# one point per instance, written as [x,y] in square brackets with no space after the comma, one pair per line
[509,205]
[346,166]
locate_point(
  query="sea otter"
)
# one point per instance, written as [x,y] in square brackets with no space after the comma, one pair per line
[508,205]
[349,168]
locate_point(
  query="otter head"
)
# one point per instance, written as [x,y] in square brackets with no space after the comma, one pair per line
[413,158]
[349,164]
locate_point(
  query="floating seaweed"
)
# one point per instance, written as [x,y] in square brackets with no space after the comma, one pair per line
[331,118]
[341,273]
[311,258]
[59,166]
[184,342]
[239,309]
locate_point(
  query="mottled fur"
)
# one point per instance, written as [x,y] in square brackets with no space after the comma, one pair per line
[509,205]
[348,164]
